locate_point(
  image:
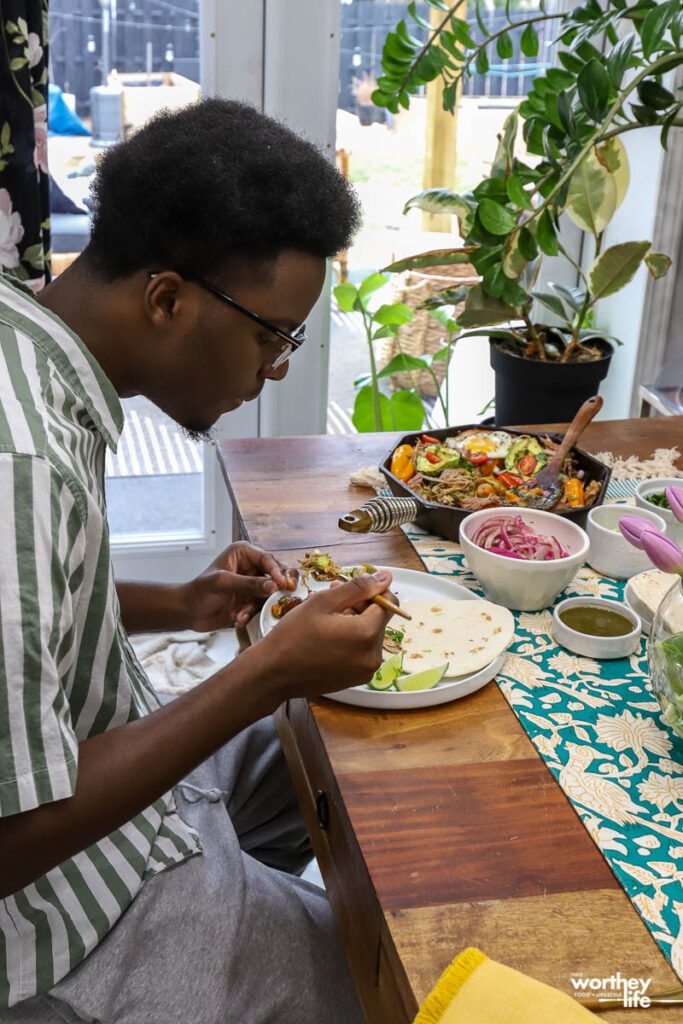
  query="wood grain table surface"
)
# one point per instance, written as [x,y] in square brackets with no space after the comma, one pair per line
[441,828]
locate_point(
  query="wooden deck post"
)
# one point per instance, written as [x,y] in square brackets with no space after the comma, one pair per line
[440,143]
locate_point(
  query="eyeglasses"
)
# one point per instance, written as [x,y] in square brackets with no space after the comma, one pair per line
[291,341]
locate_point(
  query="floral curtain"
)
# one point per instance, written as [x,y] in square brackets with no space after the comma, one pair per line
[24,179]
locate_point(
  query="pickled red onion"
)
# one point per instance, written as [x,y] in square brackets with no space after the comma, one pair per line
[510,536]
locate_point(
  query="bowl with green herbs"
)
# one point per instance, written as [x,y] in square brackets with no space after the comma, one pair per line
[651,495]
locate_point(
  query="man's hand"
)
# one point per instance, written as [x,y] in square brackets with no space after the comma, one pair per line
[233,587]
[331,641]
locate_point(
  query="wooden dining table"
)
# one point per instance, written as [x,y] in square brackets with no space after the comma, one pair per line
[440,828]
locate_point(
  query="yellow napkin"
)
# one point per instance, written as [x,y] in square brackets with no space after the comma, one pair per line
[476,990]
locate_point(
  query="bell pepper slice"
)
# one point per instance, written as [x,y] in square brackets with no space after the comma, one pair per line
[402,465]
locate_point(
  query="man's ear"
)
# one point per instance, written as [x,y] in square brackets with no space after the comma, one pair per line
[165,293]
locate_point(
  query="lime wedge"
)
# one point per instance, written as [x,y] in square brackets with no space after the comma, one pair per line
[386,675]
[423,680]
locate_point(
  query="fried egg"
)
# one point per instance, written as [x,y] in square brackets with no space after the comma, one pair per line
[495,444]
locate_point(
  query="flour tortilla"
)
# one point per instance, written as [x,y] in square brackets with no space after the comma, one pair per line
[650,588]
[466,634]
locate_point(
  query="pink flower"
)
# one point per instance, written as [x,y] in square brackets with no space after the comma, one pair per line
[35,50]
[662,551]
[632,527]
[40,132]
[11,231]
[674,495]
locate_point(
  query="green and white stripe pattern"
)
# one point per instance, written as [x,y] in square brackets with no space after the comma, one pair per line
[67,670]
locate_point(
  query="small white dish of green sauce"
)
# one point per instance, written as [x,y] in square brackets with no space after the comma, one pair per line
[596,628]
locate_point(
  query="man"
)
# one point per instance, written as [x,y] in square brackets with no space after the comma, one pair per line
[121,901]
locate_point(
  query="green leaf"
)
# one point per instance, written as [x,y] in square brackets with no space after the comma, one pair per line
[482,63]
[5,135]
[363,417]
[517,194]
[505,150]
[442,316]
[545,235]
[461,31]
[407,409]
[481,310]
[436,258]
[558,79]
[612,155]
[615,267]
[644,115]
[416,17]
[443,353]
[570,61]
[514,261]
[654,27]
[592,195]
[371,284]
[363,380]
[657,263]
[388,331]
[346,295]
[396,313]
[552,303]
[442,200]
[527,245]
[566,114]
[23,27]
[574,297]
[593,87]
[619,57]
[495,218]
[402,363]
[504,46]
[654,95]
[17,62]
[529,41]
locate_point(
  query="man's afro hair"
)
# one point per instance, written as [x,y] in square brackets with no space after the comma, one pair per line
[214,184]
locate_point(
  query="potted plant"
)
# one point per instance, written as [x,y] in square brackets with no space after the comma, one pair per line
[405,409]
[571,123]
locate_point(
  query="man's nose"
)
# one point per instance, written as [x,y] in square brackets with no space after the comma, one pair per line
[270,374]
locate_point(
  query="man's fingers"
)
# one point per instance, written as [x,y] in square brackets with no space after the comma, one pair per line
[245,614]
[257,587]
[358,591]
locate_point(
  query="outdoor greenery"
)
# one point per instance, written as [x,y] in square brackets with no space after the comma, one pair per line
[402,410]
[571,122]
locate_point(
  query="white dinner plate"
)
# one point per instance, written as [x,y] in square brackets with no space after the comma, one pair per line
[638,607]
[407,585]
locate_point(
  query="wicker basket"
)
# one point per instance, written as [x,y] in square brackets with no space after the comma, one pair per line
[423,334]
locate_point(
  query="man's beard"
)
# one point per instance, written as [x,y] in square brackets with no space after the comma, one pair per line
[198,434]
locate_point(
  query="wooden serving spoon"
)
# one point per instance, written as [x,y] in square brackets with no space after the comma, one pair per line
[543,492]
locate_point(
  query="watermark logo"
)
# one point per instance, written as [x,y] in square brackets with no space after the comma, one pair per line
[632,991]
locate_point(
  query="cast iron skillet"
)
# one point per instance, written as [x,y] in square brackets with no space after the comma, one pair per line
[445,521]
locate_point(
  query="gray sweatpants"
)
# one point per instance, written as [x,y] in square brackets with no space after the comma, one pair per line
[228,937]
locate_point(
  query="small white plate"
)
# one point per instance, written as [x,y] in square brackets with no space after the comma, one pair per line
[407,585]
[638,607]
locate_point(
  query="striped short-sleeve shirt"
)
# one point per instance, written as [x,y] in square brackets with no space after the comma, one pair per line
[67,670]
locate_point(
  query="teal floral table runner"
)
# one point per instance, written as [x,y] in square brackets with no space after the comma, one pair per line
[597,726]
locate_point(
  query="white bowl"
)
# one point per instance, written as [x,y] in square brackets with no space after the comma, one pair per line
[610,553]
[658,485]
[525,586]
[597,646]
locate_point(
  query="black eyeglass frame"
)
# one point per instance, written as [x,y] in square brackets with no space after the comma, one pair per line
[292,341]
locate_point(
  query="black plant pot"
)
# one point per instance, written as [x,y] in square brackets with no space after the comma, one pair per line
[540,391]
